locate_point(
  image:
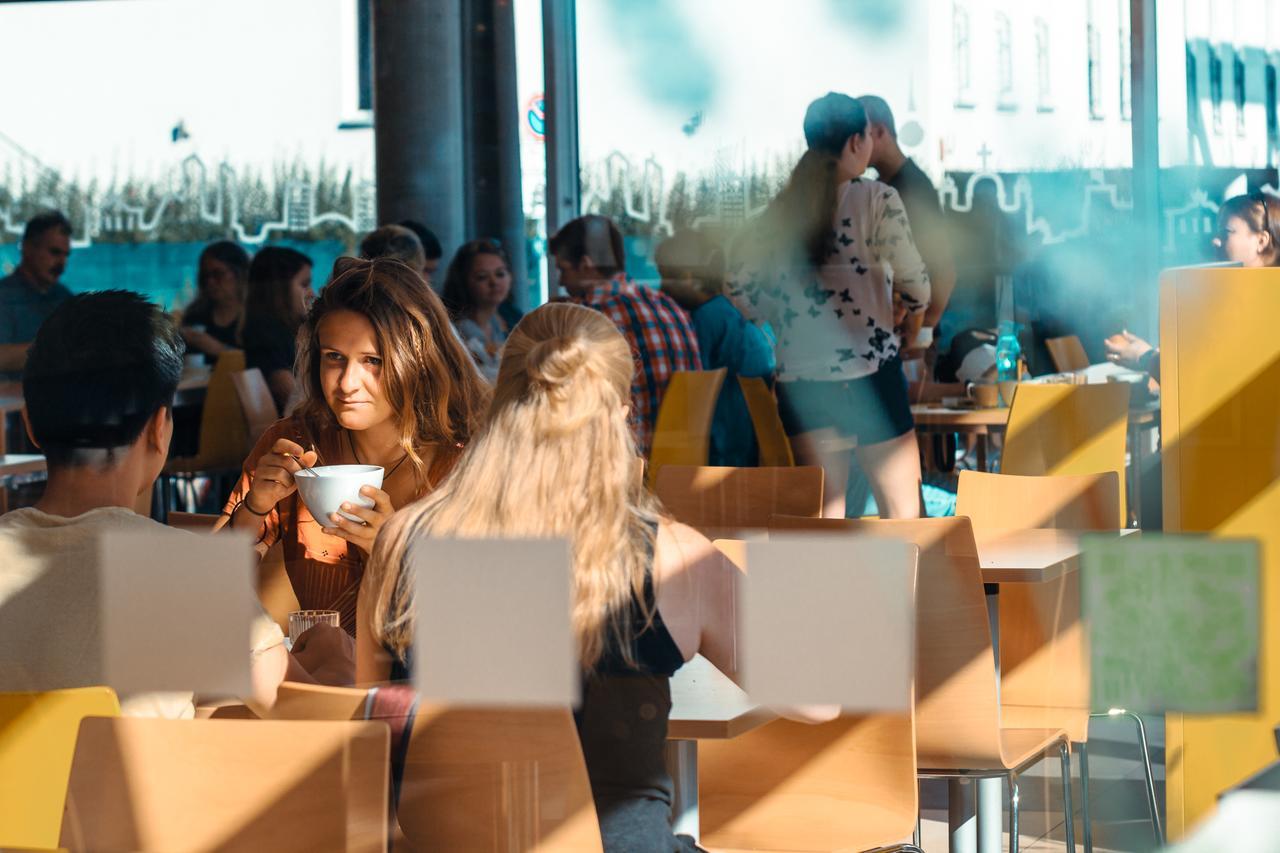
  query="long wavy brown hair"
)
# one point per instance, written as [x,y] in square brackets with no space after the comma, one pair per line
[556,459]
[429,379]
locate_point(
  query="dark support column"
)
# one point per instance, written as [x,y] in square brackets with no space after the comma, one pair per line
[559,28]
[492,120]
[418,118]
[1146,163]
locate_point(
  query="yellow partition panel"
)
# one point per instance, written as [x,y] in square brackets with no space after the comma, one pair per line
[1220,427]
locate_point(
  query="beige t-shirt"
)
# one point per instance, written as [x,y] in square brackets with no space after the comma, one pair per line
[50,632]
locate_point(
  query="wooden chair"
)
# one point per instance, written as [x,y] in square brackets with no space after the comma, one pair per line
[37,739]
[139,784]
[224,436]
[960,732]
[682,435]
[771,437]
[716,500]
[1068,429]
[1044,653]
[480,779]
[1067,353]
[259,407]
[849,784]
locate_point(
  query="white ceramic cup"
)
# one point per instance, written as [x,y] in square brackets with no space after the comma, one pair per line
[328,487]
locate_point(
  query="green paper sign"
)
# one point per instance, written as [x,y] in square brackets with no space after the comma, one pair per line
[1173,622]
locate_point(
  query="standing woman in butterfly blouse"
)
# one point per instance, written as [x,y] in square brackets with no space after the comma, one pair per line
[385,382]
[823,267]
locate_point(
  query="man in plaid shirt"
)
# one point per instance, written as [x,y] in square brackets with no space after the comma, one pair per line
[589,258]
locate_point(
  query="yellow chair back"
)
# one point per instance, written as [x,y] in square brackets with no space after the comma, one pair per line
[37,741]
[1067,353]
[1068,429]
[775,447]
[224,433]
[683,432]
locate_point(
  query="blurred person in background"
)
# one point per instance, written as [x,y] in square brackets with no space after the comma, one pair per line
[590,260]
[692,270]
[920,198]
[395,241]
[280,293]
[1249,230]
[432,251]
[476,285]
[30,293]
[384,381]
[211,324]
[823,266]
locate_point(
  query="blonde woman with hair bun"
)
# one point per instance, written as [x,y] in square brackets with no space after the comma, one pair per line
[557,459]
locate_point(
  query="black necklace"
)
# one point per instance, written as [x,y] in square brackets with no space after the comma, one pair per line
[352,444]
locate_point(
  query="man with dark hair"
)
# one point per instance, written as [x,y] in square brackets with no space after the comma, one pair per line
[431,248]
[394,241]
[34,289]
[590,260]
[98,386]
[919,197]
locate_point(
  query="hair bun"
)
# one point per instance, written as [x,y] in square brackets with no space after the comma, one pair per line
[554,362]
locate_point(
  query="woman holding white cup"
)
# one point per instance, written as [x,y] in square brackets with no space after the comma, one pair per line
[386,383]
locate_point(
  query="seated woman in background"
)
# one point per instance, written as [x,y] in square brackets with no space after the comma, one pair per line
[649,593]
[211,323]
[1249,230]
[279,295]
[477,283]
[384,382]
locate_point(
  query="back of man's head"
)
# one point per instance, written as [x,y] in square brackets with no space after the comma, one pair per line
[592,237]
[430,242]
[100,367]
[878,112]
[394,241]
[48,220]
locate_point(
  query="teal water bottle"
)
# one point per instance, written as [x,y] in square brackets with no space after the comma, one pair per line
[1008,353]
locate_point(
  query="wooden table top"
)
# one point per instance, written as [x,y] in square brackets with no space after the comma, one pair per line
[1031,556]
[706,704]
[933,417]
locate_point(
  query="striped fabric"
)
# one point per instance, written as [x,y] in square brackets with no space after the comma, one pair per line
[661,337]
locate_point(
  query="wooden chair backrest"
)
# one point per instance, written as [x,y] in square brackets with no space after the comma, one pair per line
[37,740]
[1068,429]
[1064,502]
[682,435]
[711,498]
[771,436]
[224,436]
[1067,353]
[846,784]
[196,522]
[144,784]
[1044,653]
[477,778]
[957,710]
[259,407]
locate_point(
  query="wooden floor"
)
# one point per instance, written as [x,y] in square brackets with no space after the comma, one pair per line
[1117,803]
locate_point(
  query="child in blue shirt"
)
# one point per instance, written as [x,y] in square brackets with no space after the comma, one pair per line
[692,270]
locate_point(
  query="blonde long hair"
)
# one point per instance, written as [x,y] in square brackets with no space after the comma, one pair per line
[556,459]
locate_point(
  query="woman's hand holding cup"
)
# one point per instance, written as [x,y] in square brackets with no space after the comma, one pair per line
[273,478]
[362,533]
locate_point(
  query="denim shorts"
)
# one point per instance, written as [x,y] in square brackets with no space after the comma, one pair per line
[870,409]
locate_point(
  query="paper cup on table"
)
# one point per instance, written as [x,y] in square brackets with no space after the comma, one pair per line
[986,396]
[328,487]
[301,620]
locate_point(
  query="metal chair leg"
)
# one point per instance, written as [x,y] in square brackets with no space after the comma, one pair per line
[1069,824]
[1084,797]
[1152,805]
[1013,812]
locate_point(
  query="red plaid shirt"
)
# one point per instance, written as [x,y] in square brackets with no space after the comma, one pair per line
[661,337]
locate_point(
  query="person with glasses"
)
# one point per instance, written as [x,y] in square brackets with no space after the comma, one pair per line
[384,381]
[475,287]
